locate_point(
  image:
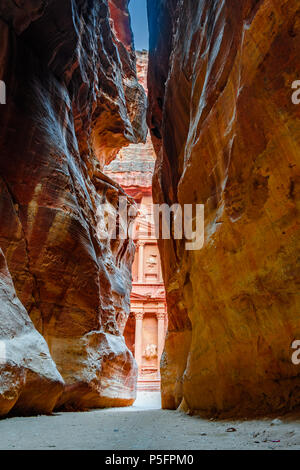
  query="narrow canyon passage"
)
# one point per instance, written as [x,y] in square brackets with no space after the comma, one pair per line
[146,327]
[146,427]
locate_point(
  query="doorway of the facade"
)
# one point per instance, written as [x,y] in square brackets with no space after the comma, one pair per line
[145,335]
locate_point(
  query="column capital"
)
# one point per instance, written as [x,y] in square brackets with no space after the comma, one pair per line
[141,243]
[138,315]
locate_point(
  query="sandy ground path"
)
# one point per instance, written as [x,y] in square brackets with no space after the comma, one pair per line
[145,427]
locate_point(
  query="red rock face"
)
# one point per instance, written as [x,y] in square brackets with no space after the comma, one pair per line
[227,135]
[27,371]
[72,95]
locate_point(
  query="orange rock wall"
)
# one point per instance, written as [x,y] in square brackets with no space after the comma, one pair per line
[227,135]
[72,96]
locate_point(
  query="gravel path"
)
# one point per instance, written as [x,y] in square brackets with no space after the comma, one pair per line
[145,427]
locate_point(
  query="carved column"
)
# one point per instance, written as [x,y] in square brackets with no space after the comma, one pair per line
[141,262]
[160,337]
[138,351]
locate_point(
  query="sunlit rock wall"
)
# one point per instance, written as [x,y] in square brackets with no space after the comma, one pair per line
[72,96]
[227,135]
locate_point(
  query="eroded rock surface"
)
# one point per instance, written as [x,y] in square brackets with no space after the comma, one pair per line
[227,135]
[29,379]
[72,96]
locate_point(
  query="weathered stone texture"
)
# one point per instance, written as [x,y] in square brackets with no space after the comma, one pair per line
[27,371]
[72,95]
[227,135]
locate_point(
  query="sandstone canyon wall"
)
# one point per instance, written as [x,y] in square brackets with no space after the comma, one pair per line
[72,96]
[227,135]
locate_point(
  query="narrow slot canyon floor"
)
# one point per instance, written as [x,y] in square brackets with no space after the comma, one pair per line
[145,426]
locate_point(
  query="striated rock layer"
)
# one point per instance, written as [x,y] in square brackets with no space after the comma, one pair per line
[227,135]
[72,96]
